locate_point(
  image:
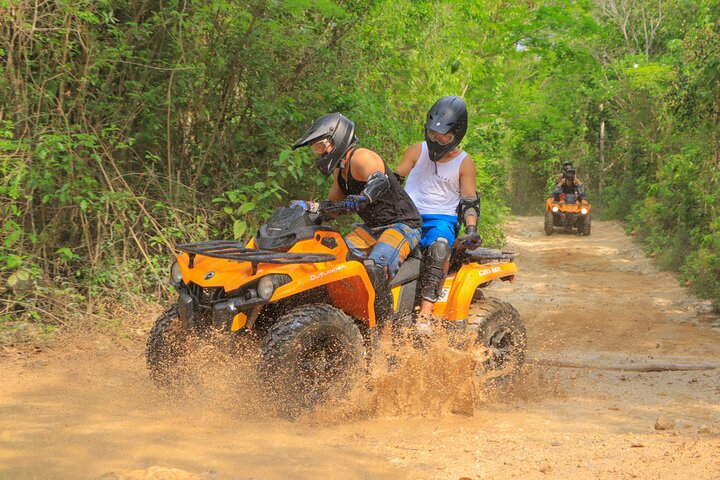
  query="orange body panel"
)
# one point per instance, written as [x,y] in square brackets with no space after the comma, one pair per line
[348,283]
[568,208]
[459,289]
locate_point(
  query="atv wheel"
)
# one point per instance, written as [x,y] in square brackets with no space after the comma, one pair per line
[165,347]
[585,229]
[500,329]
[548,223]
[311,354]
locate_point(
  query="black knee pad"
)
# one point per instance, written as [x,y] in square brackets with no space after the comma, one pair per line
[435,268]
[383,297]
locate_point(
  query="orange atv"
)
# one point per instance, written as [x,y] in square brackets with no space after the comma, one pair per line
[568,212]
[297,289]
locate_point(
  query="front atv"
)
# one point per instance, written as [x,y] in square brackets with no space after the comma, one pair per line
[569,213]
[295,291]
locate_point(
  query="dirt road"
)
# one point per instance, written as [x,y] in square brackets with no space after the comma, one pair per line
[83,408]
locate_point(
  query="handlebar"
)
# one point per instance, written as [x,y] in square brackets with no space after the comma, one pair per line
[327,206]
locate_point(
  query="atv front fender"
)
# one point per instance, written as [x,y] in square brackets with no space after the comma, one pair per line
[348,285]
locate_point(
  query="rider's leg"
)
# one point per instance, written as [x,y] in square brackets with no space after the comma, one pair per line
[360,241]
[436,264]
[393,246]
[438,236]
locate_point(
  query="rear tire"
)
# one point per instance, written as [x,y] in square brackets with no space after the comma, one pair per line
[499,328]
[587,224]
[310,355]
[548,223]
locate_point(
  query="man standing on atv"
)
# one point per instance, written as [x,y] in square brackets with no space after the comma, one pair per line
[569,185]
[365,184]
[441,183]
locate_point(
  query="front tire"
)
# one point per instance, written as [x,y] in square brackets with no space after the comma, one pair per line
[499,328]
[310,354]
[165,348]
[548,223]
[586,226]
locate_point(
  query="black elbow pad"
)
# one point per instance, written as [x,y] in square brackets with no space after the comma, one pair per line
[377,184]
[468,206]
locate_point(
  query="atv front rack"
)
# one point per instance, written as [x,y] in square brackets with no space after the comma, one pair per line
[237,252]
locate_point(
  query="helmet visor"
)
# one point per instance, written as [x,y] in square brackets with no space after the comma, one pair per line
[439,138]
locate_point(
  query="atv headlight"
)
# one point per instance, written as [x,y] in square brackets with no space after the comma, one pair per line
[267,285]
[175,274]
[555,208]
[583,211]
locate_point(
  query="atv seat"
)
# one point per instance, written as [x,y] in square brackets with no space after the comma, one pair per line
[409,270]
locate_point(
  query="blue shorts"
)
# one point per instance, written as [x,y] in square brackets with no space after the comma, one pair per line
[438,226]
[387,246]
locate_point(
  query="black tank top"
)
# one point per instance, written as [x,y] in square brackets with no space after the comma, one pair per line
[393,206]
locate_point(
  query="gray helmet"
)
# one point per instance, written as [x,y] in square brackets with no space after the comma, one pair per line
[336,128]
[567,164]
[448,115]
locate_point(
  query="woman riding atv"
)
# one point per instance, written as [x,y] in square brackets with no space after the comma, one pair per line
[392,222]
[569,185]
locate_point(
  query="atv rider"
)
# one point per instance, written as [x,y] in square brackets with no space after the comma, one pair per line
[569,185]
[567,165]
[441,183]
[365,185]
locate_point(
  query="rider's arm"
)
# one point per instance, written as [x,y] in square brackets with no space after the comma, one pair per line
[467,187]
[336,195]
[368,165]
[409,160]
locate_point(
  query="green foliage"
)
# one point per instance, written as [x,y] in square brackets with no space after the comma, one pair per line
[127,127]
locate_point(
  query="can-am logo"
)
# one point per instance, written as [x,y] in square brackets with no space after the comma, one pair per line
[315,276]
[209,275]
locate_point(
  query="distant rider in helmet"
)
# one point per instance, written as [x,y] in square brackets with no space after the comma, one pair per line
[567,165]
[441,183]
[569,185]
[365,184]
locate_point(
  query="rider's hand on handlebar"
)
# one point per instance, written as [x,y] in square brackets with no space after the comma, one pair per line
[470,241]
[354,203]
[312,207]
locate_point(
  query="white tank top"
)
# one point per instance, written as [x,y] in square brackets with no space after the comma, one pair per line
[435,192]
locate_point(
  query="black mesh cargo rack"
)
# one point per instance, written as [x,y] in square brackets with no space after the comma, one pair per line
[485,255]
[235,251]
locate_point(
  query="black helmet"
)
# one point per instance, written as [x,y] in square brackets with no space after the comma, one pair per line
[448,115]
[569,173]
[567,164]
[335,127]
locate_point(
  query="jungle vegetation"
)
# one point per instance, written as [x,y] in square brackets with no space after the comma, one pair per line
[128,126]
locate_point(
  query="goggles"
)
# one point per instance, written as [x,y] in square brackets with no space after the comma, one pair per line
[439,138]
[321,146]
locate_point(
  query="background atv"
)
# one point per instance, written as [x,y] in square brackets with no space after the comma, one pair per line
[296,288]
[568,213]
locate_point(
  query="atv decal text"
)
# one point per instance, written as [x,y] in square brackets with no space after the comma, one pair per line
[315,276]
[488,271]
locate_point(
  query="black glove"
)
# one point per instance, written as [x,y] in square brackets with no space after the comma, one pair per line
[354,203]
[470,241]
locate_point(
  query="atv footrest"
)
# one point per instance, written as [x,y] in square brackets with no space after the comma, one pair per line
[231,250]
